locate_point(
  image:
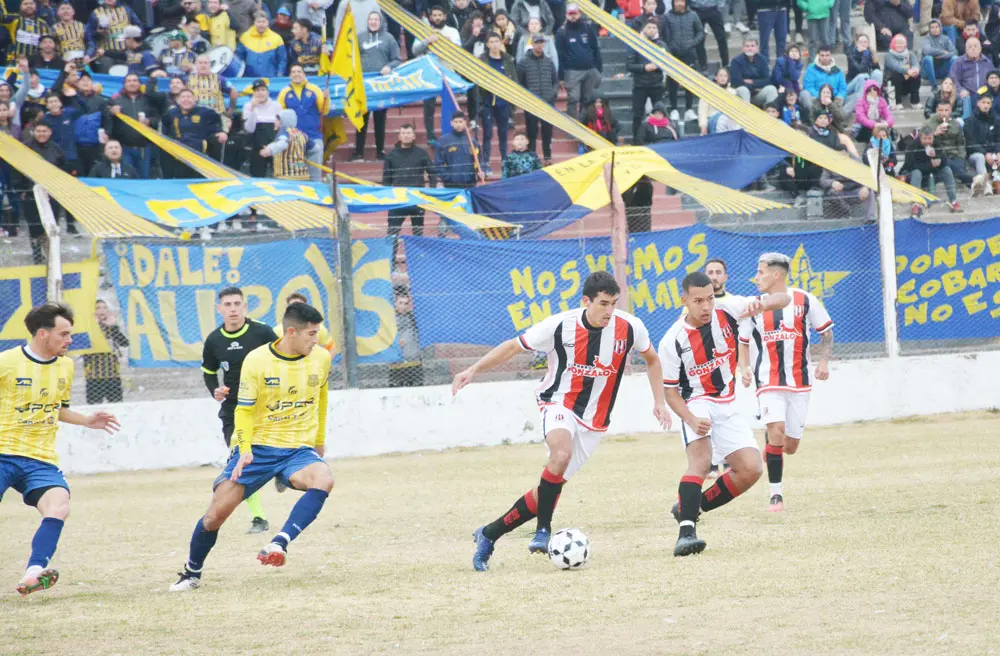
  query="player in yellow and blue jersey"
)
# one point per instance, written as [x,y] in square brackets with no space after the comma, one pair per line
[35,382]
[280,434]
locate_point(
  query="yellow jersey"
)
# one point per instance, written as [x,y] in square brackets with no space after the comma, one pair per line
[282,399]
[31,394]
[325,340]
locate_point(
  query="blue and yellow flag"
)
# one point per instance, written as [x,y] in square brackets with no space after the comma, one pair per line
[346,64]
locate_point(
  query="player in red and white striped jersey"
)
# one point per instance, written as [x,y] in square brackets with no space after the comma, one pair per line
[776,345]
[698,355]
[587,351]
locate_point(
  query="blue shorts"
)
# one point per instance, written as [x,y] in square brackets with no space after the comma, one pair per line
[268,462]
[27,474]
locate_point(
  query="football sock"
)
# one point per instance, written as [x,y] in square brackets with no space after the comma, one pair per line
[549,489]
[202,542]
[303,513]
[775,463]
[719,494]
[688,500]
[522,511]
[256,506]
[43,545]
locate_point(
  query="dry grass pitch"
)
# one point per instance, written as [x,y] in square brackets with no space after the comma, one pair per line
[888,546]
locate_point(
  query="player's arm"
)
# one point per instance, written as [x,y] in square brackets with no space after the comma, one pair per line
[100,420]
[243,416]
[497,356]
[655,374]
[765,303]
[701,425]
[743,352]
[210,372]
[825,351]
[321,427]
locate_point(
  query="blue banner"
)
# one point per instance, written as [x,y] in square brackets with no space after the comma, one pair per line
[191,204]
[411,82]
[168,293]
[948,278]
[514,285]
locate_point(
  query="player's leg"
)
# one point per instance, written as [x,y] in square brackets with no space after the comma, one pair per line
[734,441]
[313,475]
[225,499]
[52,502]
[699,456]
[560,432]
[773,407]
[258,520]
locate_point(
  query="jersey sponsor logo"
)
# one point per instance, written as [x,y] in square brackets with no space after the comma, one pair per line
[272,381]
[22,382]
[313,380]
[61,384]
[43,392]
[235,346]
[292,389]
[36,407]
[597,370]
[779,335]
[715,363]
[278,406]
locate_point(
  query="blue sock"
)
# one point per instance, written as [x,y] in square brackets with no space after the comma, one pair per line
[202,542]
[43,545]
[303,513]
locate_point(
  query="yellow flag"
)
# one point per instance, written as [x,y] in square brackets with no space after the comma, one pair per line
[346,64]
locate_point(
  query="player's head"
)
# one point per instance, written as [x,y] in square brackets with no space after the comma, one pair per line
[718,273]
[295,297]
[772,269]
[600,294]
[232,306]
[698,297]
[51,328]
[301,324]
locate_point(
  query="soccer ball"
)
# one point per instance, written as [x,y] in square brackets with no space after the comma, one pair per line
[569,549]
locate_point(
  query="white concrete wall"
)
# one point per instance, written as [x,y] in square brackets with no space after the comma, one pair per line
[165,434]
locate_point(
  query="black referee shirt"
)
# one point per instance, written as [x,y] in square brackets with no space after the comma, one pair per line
[225,350]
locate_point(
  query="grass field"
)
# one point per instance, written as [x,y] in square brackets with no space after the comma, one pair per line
[889,545]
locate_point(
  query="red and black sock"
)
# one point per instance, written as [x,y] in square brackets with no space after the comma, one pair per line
[688,500]
[719,494]
[775,462]
[522,511]
[549,489]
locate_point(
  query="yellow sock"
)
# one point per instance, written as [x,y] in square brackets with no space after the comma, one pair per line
[255,505]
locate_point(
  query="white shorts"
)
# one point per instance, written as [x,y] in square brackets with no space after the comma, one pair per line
[730,431]
[585,441]
[788,407]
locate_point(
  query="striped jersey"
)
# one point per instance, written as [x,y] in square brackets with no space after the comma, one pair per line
[32,392]
[586,364]
[701,362]
[71,39]
[779,342]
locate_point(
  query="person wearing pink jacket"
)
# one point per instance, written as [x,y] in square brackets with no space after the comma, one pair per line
[871,110]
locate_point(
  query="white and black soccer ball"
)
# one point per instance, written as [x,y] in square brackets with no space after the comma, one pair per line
[569,549]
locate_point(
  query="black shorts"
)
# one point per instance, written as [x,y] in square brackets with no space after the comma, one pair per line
[228,417]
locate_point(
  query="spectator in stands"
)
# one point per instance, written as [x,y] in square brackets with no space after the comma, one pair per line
[938,54]
[458,160]
[993,86]
[461,13]
[496,111]
[71,34]
[628,10]
[197,43]
[211,90]
[139,61]
[902,69]
[955,13]
[310,105]
[882,143]
[824,71]
[177,57]
[103,371]
[752,75]
[48,57]
[969,73]
[437,19]
[218,23]
[241,14]
[982,144]
[787,71]
[104,31]
[946,92]
[949,140]
[508,32]
[527,41]
[41,143]
[871,110]
[407,165]
[259,116]
[972,31]
[193,126]
[650,12]
[410,371]
[924,161]
[315,12]
[134,103]
[79,89]
[521,160]
[890,17]
[599,118]
[580,62]
[772,16]
[647,78]
[657,127]
[710,13]
[823,129]
[537,73]
[683,36]
[379,54]
[524,10]
[307,46]
[791,111]
[112,165]
[62,122]
[841,11]
[817,21]
[262,50]
[862,65]
[474,34]
[842,195]
[288,150]
[25,29]
[708,116]
[992,31]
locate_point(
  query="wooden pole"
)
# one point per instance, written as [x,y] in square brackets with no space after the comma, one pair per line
[619,233]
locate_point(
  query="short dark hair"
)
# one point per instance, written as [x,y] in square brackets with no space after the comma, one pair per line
[600,281]
[945,101]
[299,315]
[695,279]
[717,260]
[231,291]
[45,315]
[296,65]
[521,133]
[437,8]
[493,35]
[823,48]
[406,126]
[304,22]
[296,296]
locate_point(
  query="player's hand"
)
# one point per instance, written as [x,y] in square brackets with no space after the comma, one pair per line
[822,371]
[321,450]
[461,380]
[220,393]
[702,426]
[104,421]
[747,378]
[662,415]
[245,459]
[753,308]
